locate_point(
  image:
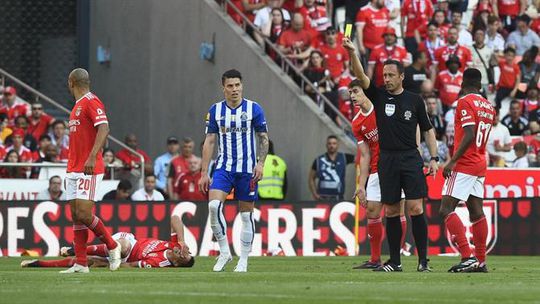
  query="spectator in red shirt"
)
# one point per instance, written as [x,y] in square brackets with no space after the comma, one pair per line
[415,15]
[21,123]
[12,172]
[510,77]
[371,22]
[315,16]
[296,41]
[39,122]
[507,11]
[58,135]
[2,153]
[448,82]
[179,164]
[335,55]
[11,106]
[381,53]
[50,156]
[442,22]
[250,7]
[452,48]
[131,161]
[186,188]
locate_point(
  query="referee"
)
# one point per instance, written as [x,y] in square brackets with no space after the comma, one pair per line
[398,113]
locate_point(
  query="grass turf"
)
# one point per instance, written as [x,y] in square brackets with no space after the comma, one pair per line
[277,280]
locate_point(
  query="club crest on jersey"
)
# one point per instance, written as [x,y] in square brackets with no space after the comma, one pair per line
[491,213]
[407,115]
[78,111]
[243,116]
[390,109]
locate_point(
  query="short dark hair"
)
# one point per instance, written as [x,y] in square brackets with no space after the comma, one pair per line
[515,101]
[230,74]
[417,55]
[332,137]
[23,117]
[509,50]
[124,185]
[472,78]
[189,263]
[355,83]
[457,12]
[525,18]
[521,146]
[433,23]
[58,122]
[492,19]
[45,136]
[3,116]
[398,64]
[53,177]
[149,175]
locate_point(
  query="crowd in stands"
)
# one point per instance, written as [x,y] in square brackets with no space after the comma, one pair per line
[436,40]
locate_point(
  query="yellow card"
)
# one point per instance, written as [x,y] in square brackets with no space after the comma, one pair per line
[348,30]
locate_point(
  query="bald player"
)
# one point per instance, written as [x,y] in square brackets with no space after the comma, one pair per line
[88,130]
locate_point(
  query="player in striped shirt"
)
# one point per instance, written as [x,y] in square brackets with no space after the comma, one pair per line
[234,122]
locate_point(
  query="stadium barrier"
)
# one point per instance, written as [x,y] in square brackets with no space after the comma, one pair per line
[286,228]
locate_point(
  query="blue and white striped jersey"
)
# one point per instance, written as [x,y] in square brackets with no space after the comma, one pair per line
[236,130]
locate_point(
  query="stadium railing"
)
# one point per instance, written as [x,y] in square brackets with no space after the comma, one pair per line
[54,165]
[288,67]
[40,96]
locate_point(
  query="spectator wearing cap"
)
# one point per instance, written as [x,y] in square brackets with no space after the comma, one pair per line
[148,192]
[12,105]
[25,155]
[515,121]
[483,58]
[180,164]
[416,73]
[510,77]
[494,39]
[386,51]
[39,121]
[499,141]
[296,41]
[508,10]
[464,36]
[523,38]
[121,193]
[452,48]
[449,81]
[161,165]
[5,131]
[415,15]
[372,21]
[521,161]
[58,135]
[335,55]
[54,191]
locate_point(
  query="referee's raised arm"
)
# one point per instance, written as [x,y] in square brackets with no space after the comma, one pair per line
[357,69]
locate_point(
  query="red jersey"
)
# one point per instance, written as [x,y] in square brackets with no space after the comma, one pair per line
[18,109]
[25,155]
[463,53]
[508,7]
[2,153]
[418,13]
[187,187]
[474,110]
[131,160]
[335,58]
[508,74]
[178,166]
[38,127]
[429,47]
[443,30]
[85,116]
[375,22]
[364,126]
[151,253]
[380,54]
[448,86]
[315,17]
[295,40]
[535,25]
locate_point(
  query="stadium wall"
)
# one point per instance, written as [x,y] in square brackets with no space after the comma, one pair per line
[156,85]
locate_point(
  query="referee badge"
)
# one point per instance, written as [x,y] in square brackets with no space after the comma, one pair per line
[390,109]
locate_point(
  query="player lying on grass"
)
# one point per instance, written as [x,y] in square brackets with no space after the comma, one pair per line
[143,253]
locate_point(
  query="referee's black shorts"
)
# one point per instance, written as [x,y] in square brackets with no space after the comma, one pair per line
[401,170]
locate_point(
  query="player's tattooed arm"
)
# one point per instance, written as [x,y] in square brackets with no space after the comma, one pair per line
[263,147]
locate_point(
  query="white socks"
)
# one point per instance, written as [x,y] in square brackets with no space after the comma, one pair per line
[219,226]
[246,237]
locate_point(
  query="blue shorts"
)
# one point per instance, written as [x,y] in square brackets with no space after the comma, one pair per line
[245,189]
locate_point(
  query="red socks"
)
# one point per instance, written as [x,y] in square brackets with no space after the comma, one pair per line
[67,262]
[375,233]
[403,219]
[102,233]
[99,250]
[79,243]
[480,231]
[457,231]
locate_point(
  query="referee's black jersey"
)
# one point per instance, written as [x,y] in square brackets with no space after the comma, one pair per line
[397,117]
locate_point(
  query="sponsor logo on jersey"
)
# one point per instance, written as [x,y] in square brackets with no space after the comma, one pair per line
[390,109]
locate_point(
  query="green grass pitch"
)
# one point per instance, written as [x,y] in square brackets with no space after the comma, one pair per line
[277,280]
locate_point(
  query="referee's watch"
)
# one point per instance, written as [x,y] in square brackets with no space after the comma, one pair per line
[435,158]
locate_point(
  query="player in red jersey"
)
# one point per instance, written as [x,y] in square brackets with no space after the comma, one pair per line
[466,171]
[88,130]
[143,253]
[364,126]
